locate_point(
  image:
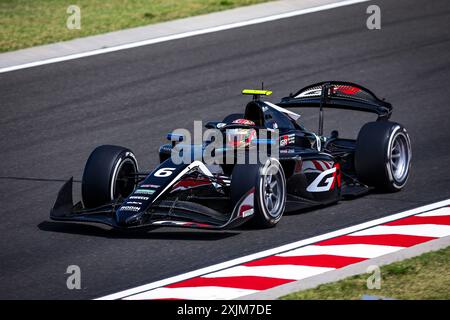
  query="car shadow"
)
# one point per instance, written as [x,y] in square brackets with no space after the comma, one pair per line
[37,179]
[309,209]
[148,233]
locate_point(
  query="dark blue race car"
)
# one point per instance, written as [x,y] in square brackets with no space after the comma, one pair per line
[308,169]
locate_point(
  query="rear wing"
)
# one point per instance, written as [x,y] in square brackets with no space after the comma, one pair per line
[340,95]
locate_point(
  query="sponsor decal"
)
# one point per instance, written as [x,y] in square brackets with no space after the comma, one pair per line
[246,207]
[131,155]
[130,208]
[316,92]
[247,213]
[144,191]
[244,121]
[139,198]
[153,186]
[133,202]
[287,139]
[348,90]
[326,180]
[166,149]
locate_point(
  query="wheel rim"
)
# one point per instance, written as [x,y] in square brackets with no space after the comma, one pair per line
[399,158]
[273,193]
[123,185]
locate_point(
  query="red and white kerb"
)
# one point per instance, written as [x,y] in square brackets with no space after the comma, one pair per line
[300,263]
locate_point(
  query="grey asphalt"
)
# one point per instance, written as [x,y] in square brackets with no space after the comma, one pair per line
[53,116]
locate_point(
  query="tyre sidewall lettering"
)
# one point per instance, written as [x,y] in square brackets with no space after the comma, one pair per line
[121,159]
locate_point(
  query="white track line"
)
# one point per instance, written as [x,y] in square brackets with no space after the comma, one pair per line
[291,272]
[182,35]
[344,250]
[435,213]
[274,251]
[421,230]
[194,293]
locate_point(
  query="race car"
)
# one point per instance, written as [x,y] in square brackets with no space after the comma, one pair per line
[308,169]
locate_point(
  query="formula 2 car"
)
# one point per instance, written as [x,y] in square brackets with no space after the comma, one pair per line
[309,169]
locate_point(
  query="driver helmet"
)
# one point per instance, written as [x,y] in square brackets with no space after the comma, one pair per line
[241,137]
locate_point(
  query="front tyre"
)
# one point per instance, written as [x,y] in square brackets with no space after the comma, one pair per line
[109,174]
[269,182]
[383,155]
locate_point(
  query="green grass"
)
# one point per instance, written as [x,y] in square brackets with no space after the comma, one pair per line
[27,23]
[424,277]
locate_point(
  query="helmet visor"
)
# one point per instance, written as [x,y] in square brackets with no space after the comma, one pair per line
[240,138]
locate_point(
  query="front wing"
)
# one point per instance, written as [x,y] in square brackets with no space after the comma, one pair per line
[181,215]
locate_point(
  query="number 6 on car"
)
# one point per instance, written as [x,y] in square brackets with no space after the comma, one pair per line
[164,172]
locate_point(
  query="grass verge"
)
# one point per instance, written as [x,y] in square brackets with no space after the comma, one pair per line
[423,277]
[27,23]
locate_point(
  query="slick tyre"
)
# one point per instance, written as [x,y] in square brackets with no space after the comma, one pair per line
[269,185]
[383,155]
[108,175]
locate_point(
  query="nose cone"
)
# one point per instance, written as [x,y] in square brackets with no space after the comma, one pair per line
[135,205]
[128,215]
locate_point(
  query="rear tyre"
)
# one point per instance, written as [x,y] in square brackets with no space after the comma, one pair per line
[269,182]
[108,175]
[383,155]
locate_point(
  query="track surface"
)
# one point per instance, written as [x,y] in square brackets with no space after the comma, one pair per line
[53,116]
